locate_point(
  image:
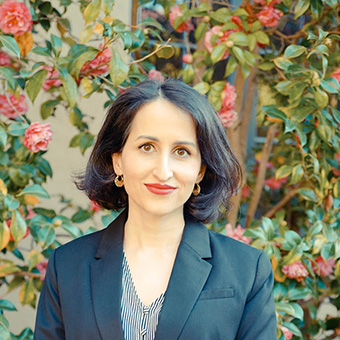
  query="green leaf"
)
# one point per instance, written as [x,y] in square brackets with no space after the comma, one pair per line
[56,45]
[81,60]
[18,226]
[70,86]
[239,38]
[7,305]
[293,51]
[17,129]
[44,51]
[166,52]
[8,74]
[86,141]
[92,11]
[80,216]
[293,328]
[4,332]
[47,108]
[298,293]
[330,85]
[108,6]
[10,44]
[297,174]
[308,194]
[75,141]
[283,171]
[27,293]
[315,229]
[35,84]
[46,235]
[118,69]
[218,53]
[3,136]
[222,15]
[36,190]
[238,53]
[231,66]
[200,30]
[153,23]
[262,37]
[34,257]
[321,98]
[72,230]
[11,202]
[188,74]
[202,87]
[301,7]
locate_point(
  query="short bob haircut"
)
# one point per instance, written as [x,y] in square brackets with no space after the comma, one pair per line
[223,172]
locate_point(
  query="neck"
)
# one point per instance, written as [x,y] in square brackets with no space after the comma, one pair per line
[144,231]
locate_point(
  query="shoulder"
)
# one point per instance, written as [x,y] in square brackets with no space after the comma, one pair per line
[239,255]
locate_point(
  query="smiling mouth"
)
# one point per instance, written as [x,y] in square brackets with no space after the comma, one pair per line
[160,189]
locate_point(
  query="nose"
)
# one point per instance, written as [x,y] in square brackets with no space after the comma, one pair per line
[163,168]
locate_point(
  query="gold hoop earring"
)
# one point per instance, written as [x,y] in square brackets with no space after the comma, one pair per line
[119,181]
[197,189]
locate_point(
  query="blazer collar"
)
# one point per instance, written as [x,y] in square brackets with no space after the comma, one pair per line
[187,280]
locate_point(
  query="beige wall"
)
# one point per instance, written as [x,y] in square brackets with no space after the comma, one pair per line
[64,160]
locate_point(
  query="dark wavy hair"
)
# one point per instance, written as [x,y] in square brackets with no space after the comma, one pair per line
[223,172]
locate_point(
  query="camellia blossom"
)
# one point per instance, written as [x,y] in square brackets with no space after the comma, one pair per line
[269,16]
[17,107]
[222,38]
[99,65]
[264,3]
[15,17]
[227,113]
[323,268]
[52,78]
[336,75]
[94,206]
[5,60]
[187,58]
[286,332]
[156,75]
[38,136]
[336,171]
[274,184]
[42,268]
[296,271]
[237,233]
[186,26]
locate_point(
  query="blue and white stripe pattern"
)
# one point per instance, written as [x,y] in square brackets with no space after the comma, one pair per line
[139,322]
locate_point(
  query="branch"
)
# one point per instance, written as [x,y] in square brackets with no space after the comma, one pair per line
[261,174]
[282,203]
[33,275]
[151,54]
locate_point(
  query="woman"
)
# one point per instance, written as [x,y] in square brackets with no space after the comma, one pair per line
[157,272]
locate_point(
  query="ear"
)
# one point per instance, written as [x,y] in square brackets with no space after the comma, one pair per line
[116,163]
[201,173]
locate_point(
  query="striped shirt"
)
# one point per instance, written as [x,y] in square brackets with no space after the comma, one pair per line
[139,322]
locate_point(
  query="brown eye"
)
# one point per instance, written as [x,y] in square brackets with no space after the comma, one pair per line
[146,147]
[182,152]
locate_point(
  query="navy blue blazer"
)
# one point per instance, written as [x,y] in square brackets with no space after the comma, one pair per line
[219,289]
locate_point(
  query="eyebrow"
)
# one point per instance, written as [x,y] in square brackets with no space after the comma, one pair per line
[177,142]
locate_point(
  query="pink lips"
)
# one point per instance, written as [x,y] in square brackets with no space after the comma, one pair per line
[160,189]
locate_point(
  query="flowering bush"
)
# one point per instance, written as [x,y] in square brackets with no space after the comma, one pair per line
[12,106]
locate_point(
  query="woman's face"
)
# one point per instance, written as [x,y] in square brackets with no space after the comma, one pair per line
[161,160]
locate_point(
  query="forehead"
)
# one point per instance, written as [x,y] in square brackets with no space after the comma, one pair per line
[161,117]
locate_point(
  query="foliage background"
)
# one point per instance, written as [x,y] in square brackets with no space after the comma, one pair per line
[287,51]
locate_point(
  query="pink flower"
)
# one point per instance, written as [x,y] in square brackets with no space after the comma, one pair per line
[94,206]
[228,97]
[286,332]
[99,65]
[156,75]
[222,38]
[15,17]
[227,117]
[269,16]
[237,233]
[273,183]
[335,171]
[37,137]
[265,3]
[323,267]
[336,75]
[295,271]
[187,58]
[237,21]
[42,268]
[245,191]
[5,60]
[52,78]
[186,26]
[17,107]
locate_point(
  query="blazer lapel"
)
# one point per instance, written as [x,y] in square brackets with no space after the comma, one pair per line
[106,280]
[187,280]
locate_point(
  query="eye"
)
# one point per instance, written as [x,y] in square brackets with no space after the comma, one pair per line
[182,152]
[146,147]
